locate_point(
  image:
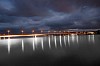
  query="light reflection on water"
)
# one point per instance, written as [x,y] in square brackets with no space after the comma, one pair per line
[55,41]
[22,45]
[49,41]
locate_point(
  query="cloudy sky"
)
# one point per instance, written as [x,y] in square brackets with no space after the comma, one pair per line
[49,14]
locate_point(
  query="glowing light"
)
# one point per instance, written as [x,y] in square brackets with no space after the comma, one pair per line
[91,33]
[89,38]
[73,38]
[41,31]
[52,38]
[49,31]
[49,42]
[77,39]
[33,44]
[64,31]
[68,40]
[55,42]
[9,42]
[65,40]
[8,31]
[36,41]
[93,39]
[60,41]
[42,44]
[32,31]
[55,31]
[22,45]
[22,31]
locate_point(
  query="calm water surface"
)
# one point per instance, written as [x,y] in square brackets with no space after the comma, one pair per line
[51,50]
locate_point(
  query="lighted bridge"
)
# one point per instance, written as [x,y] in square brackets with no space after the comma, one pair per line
[45,34]
[27,35]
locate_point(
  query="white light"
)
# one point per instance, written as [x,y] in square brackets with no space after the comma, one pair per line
[13,41]
[33,44]
[55,42]
[22,45]
[93,39]
[42,44]
[60,41]
[65,40]
[73,38]
[52,38]
[68,40]
[77,39]
[9,45]
[89,38]
[36,40]
[49,42]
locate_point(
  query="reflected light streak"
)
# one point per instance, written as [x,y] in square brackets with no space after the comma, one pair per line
[60,41]
[33,44]
[65,40]
[77,39]
[89,38]
[73,38]
[49,42]
[9,42]
[55,42]
[42,44]
[93,39]
[52,37]
[36,41]
[69,40]
[22,45]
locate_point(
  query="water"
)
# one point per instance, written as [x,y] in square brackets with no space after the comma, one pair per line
[51,50]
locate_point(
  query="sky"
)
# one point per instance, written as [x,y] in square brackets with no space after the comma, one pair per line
[49,14]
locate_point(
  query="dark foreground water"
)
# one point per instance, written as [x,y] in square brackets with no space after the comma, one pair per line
[69,50]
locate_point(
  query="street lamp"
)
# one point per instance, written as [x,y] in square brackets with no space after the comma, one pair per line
[8,31]
[32,31]
[48,31]
[41,31]
[22,31]
[55,31]
[60,31]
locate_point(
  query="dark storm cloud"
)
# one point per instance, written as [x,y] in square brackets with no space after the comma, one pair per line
[49,14]
[31,7]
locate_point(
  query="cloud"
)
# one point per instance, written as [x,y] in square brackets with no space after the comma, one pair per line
[82,18]
[49,14]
